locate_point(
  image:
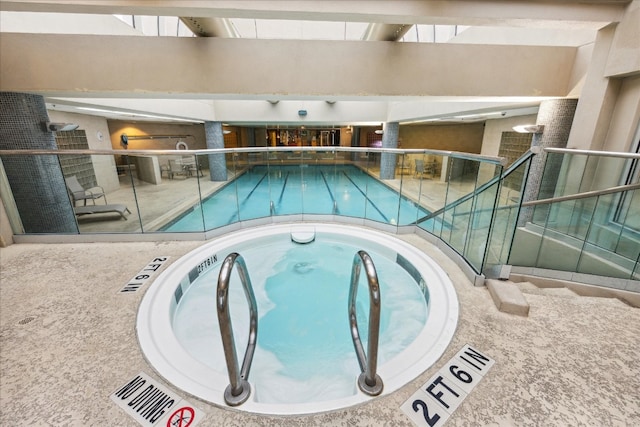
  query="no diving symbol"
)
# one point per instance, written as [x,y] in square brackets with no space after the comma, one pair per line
[182,417]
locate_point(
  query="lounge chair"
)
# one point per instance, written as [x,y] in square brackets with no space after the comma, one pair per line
[98,209]
[77,192]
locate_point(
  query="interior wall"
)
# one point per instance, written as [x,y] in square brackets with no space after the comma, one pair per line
[625,118]
[494,128]
[192,134]
[97,132]
[465,138]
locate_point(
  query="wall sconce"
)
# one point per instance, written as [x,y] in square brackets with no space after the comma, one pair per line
[536,129]
[59,127]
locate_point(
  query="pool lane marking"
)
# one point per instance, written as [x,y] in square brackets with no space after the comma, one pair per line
[367,197]
[438,398]
[244,201]
[152,404]
[286,179]
[333,200]
[143,275]
[253,189]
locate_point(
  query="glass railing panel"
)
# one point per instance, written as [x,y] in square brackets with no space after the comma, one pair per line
[480,225]
[318,187]
[610,229]
[628,216]
[254,195]
[556,165]
[168,192]
[571,217]
[462,177]
[506,215]
[459,217]
[558,250]
[409,208]
[99,174]
[286,182]
[328,162]
[596,260]
[219,188]
[502,234]
[351,196]
[380,204]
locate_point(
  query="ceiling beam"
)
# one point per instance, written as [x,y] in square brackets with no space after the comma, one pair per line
[210,27]
[463,12]
[197,67]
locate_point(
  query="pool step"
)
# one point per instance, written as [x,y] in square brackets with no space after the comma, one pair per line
[508,297]
[303,235]
[530,288]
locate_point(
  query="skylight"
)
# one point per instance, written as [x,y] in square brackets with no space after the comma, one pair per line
[298,30]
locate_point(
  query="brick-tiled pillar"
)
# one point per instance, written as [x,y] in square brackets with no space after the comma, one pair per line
[217,162]
[37,183]
[557,117]
[388,160]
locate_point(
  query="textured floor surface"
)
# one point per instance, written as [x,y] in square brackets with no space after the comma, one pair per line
[67,341]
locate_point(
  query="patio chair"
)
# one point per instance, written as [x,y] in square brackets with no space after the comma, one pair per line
[190,164]
[419,169]
[78,193]
[403,166]
[176,169]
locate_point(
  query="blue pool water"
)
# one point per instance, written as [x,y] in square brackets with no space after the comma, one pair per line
[299,189]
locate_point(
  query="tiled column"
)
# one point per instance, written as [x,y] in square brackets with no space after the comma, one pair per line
[217,162]
[557,117]
[388,160]
[37,183]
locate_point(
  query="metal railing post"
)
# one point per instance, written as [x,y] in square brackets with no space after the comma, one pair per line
[239,389]
[368,381]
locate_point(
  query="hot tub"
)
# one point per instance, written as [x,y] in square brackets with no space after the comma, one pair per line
[304,361]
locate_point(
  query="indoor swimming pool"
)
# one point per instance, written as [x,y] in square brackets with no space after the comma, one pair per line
[266,190]
[304,360]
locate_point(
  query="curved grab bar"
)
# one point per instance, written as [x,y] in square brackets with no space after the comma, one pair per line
[239,389]
[368,381]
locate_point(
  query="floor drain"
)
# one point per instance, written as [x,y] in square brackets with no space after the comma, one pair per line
[26,320]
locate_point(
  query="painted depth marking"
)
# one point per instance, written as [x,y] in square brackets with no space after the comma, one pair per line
[154,405]
[435,401]
[144,275]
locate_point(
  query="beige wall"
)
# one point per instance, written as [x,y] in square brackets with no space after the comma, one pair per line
[453,137]
[625,52]
[494,128]
[143,66]
[625,118]
[94,127]
[192,134]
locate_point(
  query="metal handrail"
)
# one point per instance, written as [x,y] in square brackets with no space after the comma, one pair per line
[525,157]
[239,389]
[623,154]
[191,152]
[584,195]
[368,381]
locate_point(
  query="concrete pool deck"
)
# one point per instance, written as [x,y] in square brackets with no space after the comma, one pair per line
[68,341]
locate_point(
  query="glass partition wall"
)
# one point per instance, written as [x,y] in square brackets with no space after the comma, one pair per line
[470,202]
[586,218]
